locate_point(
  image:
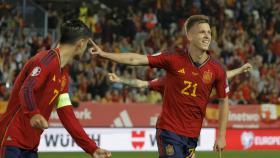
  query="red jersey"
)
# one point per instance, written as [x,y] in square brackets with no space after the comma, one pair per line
[41,86]
[186,91]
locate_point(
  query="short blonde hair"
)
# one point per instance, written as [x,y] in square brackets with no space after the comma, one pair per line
[195,19]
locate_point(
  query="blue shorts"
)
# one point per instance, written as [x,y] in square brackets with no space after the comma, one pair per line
[15,152]
[172,145]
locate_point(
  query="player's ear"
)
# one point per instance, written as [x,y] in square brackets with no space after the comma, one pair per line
[80,43]
[189,36]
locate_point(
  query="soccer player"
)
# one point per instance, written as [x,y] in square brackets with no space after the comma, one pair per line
[159,83]
[41,86]
[190,77]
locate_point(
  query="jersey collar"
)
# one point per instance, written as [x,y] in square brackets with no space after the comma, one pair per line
[194,64]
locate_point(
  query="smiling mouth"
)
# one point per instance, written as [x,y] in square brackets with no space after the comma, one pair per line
[205,42]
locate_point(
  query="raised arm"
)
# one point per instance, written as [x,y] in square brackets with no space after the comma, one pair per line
[130,82]
[124,58]
[232,73]
[244,68]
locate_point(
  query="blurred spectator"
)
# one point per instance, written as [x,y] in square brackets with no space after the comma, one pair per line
[150,19]
[243,31]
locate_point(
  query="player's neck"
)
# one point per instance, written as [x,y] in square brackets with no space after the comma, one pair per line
[65,56]
[197,54]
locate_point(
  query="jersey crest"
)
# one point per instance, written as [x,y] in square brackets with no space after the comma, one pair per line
[169,150]
[207,77]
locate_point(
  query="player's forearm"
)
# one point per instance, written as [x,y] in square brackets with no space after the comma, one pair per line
[72,125]
[134,82]
[234,72]
[126,58]
[223,117]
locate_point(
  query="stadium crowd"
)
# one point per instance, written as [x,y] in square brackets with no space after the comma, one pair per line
[242,31]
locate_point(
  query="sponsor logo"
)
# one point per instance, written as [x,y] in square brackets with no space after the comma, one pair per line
[85,114]
[36,71]
[247,139]
[65,140]
[268,113]
[123,120]
[115,139]
[138,139]
[154,119]
[250,139]
[243,117]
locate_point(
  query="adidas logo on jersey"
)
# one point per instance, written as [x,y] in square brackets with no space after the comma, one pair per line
[182,71]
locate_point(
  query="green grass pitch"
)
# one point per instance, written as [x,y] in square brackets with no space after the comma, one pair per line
[226,154]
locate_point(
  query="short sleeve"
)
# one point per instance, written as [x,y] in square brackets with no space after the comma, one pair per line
[157,85]
[222,86]
[160,60]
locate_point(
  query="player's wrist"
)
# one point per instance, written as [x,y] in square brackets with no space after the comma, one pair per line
[93,150]
[104,54]
[30,114]
[92,147]
[221,136]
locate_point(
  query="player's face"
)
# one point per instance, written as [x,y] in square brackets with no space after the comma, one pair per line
[200,36]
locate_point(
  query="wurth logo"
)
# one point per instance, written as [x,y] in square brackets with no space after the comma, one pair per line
[123,120]
[138,139]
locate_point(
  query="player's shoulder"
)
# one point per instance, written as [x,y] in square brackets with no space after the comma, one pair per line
[46,58]
[217,66]
[216,63]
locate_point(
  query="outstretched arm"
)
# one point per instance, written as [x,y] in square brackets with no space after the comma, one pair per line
[125,58]
[245,68]
[130,82]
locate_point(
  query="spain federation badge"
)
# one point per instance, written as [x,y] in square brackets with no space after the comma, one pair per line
[207,77]
[169,149]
